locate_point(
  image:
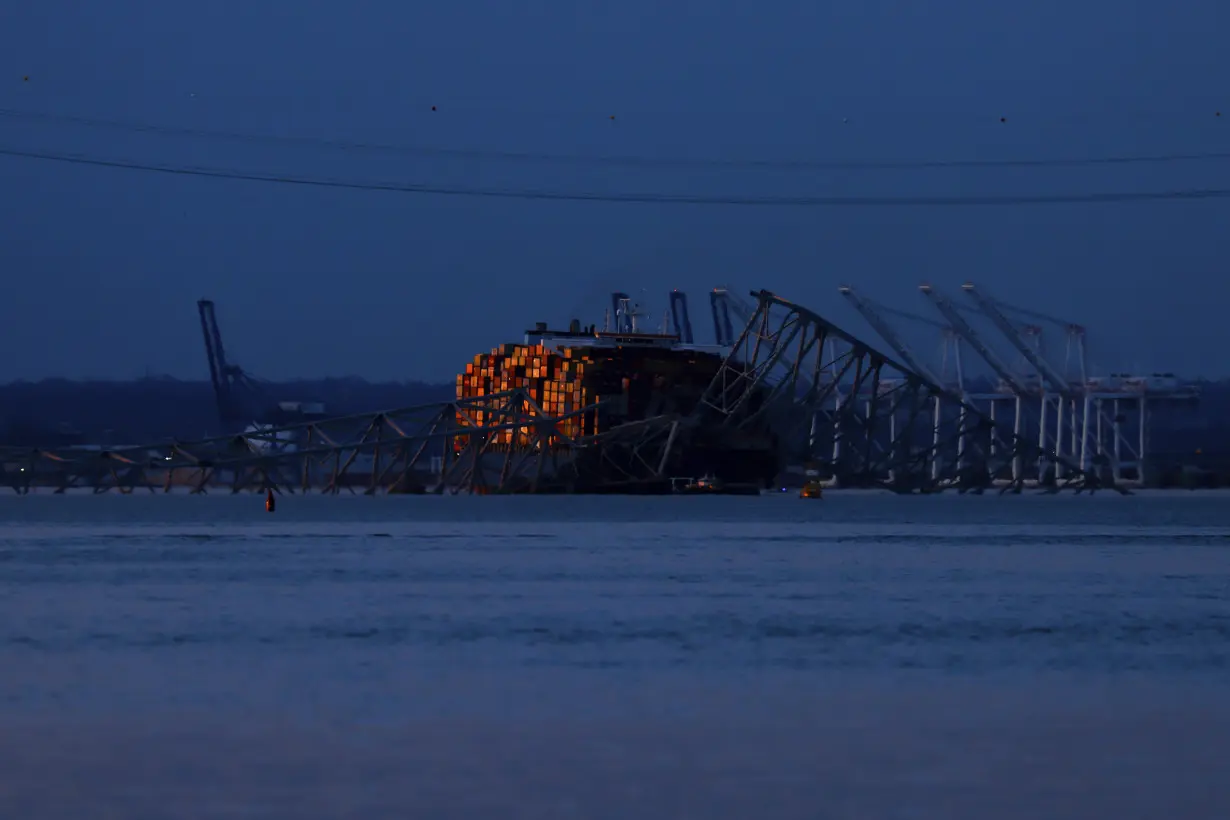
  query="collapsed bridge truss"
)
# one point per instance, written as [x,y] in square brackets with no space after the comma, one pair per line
[862,419]
[824,397]
[434,447]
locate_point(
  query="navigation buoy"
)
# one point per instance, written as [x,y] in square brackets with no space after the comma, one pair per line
[270,503]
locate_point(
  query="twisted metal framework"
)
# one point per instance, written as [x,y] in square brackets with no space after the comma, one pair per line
[633,457]
[860,418]
[502,442]
[792,378]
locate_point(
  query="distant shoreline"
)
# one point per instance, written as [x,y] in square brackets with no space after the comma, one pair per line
[222,492]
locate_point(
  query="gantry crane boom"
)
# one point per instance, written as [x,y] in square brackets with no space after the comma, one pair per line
[724,303]
[913,317]
[679,316]
[950,335]
[219,370]
[1075,332]
[988,307]
[723,330]
[887,332]
[234,389]
[962,327]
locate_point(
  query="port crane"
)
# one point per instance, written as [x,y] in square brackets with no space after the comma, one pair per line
[679,317]
[1084,406]
[241,398]
[1076,362]
[776,389]
[720,301]
[625,313]
[1008,378]
[1108,418]
[234,390]
[868,414]
[952,367]
[871,311]
[1066,395]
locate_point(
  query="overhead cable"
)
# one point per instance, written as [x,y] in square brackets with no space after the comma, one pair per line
[596,196]
[615,160]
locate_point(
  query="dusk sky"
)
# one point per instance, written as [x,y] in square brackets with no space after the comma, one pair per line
[102,267]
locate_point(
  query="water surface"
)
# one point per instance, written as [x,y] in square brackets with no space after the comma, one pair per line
[866,655]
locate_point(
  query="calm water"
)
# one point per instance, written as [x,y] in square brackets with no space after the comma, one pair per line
[170,656]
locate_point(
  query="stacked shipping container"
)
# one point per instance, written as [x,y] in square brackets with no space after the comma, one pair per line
[556,382]
[645,382]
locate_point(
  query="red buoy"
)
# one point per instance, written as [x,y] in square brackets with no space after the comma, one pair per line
[270,503]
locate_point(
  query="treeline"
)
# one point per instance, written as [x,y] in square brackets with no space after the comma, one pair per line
[57,412]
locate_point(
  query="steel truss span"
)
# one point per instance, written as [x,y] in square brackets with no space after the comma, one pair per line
[864,420]
[791,385]
[426,448]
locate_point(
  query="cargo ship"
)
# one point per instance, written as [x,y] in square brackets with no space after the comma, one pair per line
[633,376]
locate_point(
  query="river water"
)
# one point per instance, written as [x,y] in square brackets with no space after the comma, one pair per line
[862,656]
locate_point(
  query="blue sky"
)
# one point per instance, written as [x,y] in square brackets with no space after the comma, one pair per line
[101,268]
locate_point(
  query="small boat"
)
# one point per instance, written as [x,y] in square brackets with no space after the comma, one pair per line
[705,484]
[711,485]
[811,486]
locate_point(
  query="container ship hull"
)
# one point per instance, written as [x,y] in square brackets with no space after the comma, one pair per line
[607,387]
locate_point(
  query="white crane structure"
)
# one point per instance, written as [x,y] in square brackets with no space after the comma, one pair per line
[1055,391]
[1082,424]
[952,379]
[1107,421]
[1010,382]
[1064,424]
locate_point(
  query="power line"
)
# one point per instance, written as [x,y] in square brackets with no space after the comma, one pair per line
[592,196]
[615,160]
